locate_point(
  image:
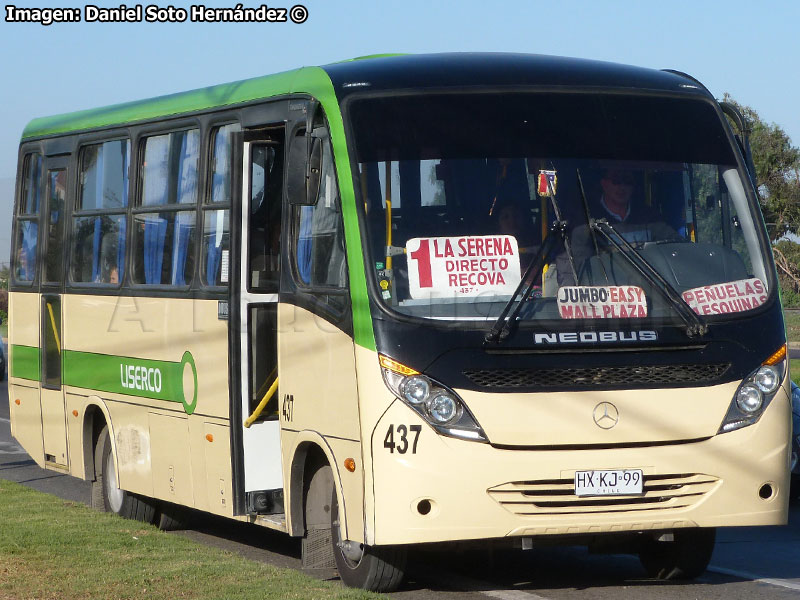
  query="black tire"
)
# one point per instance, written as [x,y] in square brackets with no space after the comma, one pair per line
[686,557]
[171,517]
[381,569]
[106,495]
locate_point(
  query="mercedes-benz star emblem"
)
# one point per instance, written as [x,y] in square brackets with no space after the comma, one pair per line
[605,415]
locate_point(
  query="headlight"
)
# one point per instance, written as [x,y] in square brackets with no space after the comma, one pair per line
[416,389]
[755,393]
[443,408]
[767,379]
[749,399]
[440,406]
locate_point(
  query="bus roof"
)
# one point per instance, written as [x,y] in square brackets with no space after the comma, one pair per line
[375,73]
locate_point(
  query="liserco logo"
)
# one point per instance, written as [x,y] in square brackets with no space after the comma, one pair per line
[605,415]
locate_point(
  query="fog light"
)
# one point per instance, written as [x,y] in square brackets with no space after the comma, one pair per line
[416,389]
[443,408]
[749,399]
[767,379]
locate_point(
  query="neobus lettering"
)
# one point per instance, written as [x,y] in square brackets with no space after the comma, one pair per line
[140,378]
[595,336]
[43,16]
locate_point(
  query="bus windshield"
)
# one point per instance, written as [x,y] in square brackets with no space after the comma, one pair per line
[460,191]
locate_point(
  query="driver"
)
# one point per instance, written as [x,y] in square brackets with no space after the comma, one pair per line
[625,211]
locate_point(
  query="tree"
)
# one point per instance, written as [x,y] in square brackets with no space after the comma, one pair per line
[777,164]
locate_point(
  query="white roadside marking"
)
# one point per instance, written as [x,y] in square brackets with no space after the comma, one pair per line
[512,595]
[4,420]
[785,583]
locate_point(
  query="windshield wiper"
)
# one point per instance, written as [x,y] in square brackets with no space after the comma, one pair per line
[694,325]
[502,326]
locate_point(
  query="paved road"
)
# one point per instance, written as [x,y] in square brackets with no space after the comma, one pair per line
[763,562]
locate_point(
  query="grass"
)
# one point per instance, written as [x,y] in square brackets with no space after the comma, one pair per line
[54,549]
[794,370]
[4,330]
[792,320]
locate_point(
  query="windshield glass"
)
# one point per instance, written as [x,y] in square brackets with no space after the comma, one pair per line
[460,191]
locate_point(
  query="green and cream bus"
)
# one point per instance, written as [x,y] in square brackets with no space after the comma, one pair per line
[408,299]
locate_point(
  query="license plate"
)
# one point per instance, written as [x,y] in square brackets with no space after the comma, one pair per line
[622,482]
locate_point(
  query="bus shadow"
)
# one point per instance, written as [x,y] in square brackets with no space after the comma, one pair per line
[536,571]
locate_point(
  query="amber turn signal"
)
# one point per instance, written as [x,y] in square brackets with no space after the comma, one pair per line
[396,367]
[350,464]
[209,437]
[74,413]
[16,401]
[777,357]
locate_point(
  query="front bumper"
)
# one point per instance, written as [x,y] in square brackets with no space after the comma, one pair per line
[457,490]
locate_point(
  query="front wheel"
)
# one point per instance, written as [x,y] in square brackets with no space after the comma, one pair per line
[377,569]
[106,493]
[686,556]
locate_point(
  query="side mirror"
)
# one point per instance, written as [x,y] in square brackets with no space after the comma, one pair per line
[304,172]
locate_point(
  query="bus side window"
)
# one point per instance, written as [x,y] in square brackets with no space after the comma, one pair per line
[214,270]
[164,222]
[27,234]
[98,250]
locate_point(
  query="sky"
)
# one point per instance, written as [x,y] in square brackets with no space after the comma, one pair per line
[747,49]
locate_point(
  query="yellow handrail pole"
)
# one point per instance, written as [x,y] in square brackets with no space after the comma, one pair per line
[266,384]
[262,405]
[388,214]
[55,329]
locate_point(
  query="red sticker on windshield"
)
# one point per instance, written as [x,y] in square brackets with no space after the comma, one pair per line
[546,184]
[730,297]
[602,302]
[463,266]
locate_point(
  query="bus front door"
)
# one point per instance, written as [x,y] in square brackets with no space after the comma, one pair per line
[259,279]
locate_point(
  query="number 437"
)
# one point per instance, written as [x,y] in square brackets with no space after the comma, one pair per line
[402,445]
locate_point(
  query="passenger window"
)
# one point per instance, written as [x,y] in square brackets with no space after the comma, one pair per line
[26,236]
[164,239]
[214,269]
[104,175]
[222,163]
[216,247]
[169,171]
[31,185]
[319,233]
[98,251]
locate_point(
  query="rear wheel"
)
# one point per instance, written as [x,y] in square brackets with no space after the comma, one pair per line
[686,556]
[377,569]
[106,493]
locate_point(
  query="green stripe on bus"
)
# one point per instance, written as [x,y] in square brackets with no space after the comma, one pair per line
[145,378]
[363,334]
[24,362]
